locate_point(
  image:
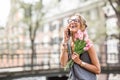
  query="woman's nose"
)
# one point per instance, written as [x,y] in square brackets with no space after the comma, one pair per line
[72,21]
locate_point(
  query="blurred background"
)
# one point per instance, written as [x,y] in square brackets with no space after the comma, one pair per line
[32,30]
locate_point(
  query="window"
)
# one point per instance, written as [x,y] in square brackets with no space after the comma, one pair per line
[93,14]
[55,25]
[112,51]
[46,28]
[46,41]
[65,21]
[111,26]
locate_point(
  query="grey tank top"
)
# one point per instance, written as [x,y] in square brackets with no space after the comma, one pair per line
[79,73]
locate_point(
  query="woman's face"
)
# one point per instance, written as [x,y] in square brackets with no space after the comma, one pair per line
[74,23]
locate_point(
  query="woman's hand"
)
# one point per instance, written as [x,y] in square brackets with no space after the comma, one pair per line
[66,35]
[75,58]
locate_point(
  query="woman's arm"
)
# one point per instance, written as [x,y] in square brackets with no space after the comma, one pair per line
[63,54]
[94,67]
[64,48]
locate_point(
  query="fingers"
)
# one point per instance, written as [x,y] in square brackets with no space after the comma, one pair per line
[75,58]
[75,55]
[66,36]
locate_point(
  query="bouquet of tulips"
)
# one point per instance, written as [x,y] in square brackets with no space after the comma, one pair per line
[81,44]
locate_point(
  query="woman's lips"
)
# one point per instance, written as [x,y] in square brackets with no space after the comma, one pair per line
[73,26]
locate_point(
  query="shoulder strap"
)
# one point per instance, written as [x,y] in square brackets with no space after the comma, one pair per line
[69,49]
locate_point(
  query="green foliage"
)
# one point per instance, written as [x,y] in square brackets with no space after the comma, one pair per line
[79,49]
[79,45]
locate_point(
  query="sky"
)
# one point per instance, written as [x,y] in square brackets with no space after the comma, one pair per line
[5,8]
[4,11]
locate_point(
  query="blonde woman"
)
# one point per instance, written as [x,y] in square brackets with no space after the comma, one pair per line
[86,65]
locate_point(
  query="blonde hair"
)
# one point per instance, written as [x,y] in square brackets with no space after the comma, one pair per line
[83,24]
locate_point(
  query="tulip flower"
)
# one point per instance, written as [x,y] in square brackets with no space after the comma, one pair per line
[82,43]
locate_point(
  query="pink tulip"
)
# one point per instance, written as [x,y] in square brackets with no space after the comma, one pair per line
[85,33]
[87,40]
[85,48]
[79,35]
[88,46]
[76,35]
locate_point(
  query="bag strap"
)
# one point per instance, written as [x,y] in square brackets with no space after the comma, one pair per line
[69,49]
[69,57]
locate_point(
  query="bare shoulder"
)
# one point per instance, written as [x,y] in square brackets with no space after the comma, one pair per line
[91,49]
[93,55]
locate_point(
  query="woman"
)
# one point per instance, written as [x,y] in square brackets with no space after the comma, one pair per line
[87,62]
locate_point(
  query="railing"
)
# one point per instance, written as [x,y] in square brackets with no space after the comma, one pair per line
[48,62]
[41,61]
[16,65]
[44,61]
[110,62]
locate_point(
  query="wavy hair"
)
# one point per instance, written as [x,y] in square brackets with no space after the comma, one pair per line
[83,24]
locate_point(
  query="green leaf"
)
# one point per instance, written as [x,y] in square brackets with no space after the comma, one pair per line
[78,48]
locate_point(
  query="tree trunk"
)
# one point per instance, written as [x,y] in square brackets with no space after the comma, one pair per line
[33,55]
[118,23]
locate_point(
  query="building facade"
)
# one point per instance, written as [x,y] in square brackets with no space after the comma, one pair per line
[49,36]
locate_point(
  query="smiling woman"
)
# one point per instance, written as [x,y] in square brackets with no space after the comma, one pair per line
[4,11]
[81,59]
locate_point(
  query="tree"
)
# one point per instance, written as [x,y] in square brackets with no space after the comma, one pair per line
[33,15]
[33,18]
[117,12]
[116,9]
